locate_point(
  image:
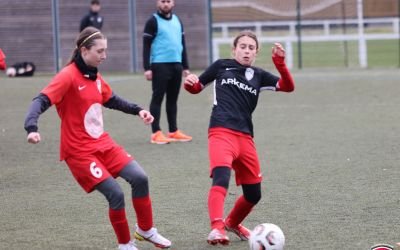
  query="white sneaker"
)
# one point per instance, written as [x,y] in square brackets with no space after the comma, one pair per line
[217,236]
[129,246]
[152,236]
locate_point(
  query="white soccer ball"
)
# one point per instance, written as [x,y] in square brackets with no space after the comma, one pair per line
[267,236]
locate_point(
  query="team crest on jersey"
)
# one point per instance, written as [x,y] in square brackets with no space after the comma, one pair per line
[98,85]
[249,74]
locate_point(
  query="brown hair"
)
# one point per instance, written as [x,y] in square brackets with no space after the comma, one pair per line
[243,33]
[86,39]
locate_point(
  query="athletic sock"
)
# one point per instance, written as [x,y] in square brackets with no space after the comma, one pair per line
[216,199]
[239,212]
[120,224]
[144,212]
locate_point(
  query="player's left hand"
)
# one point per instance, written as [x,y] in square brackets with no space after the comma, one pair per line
[146,116]
[33,137]
[278,50]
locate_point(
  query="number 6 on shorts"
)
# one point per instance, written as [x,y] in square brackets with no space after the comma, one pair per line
[96,172]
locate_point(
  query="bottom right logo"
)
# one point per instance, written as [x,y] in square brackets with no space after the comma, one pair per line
[382,247]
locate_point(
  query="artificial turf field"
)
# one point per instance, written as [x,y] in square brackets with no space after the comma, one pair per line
[329,153]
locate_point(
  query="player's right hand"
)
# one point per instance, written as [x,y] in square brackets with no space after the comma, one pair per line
[191,79]
[33,137]
[148,74]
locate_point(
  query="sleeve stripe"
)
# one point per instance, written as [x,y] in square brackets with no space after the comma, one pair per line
[268,88]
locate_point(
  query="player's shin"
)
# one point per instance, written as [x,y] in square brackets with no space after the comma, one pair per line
[120,224]
[144,212]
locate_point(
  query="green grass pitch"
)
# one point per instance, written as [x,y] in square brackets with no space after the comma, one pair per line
[329,153]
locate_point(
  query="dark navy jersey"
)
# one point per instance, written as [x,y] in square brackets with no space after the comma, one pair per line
[236,90]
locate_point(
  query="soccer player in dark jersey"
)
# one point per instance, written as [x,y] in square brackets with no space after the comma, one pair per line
[237,85]
[94,159]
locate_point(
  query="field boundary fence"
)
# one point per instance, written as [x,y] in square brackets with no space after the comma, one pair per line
[316,33]
[326,26]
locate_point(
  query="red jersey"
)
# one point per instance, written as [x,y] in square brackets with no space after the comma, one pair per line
[2,60]
[79,102]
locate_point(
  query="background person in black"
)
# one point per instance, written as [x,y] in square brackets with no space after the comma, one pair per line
[164,62]
[93,18]
[230,137]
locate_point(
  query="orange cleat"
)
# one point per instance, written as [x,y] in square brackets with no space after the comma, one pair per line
[159,138]
[179,136]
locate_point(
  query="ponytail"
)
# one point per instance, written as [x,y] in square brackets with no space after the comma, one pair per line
[74,55]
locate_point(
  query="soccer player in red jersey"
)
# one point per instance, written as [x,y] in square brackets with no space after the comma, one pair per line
[237,85]
[3,64]
[94,159]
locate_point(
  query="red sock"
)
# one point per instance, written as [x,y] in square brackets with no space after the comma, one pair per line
[120,224]
[216,199]
[144,212]
[241,209]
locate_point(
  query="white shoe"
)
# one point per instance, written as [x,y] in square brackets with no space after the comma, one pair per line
[217,236]
[129,246]
[152,236]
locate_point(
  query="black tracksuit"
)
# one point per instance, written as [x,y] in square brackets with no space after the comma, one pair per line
[92,19]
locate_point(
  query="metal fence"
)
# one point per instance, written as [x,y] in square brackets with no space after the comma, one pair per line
[316,33]
[43,31]
[314,36]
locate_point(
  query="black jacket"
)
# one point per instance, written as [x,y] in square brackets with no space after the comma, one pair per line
[92,19]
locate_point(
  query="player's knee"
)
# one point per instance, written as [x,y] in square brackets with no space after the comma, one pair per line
[140,185]
[134,174]
[117,200]
[140,181]
[253,198]
[221,176]
[112,192]
[252,192]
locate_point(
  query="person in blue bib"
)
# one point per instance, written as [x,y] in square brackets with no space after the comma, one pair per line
[164,62]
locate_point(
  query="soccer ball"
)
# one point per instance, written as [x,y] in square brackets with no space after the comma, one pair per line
[267,237]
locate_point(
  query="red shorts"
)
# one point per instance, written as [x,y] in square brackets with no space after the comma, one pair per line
[89,170]
[236,150]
